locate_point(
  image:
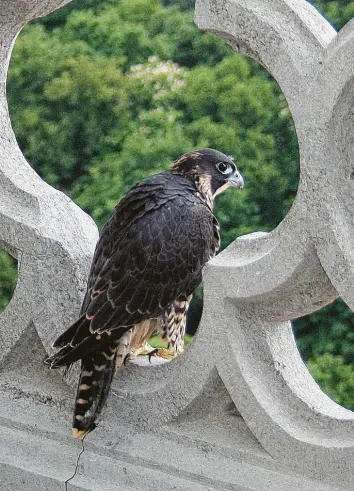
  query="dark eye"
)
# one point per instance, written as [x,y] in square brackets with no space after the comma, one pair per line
[224,168]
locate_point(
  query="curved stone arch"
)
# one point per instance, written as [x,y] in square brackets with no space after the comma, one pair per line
[334,109]
[238,22]
[262,286]
[287,37]
[252,348]
[52,238]
[265,282]
[261,281]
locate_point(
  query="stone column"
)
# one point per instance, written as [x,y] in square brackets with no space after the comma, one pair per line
[51,237]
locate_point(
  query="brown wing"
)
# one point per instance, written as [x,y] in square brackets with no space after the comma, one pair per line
[151,251]
[158,258]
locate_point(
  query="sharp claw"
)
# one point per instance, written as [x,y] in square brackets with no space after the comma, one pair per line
[152,353]
[126,359]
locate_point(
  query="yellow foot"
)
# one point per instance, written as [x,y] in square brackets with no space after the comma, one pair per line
[168,354]
[146,349]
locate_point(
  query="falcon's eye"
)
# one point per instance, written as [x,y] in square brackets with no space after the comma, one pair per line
[224,167]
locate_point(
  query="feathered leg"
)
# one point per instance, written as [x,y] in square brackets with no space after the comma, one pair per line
[141,333]
[174,328]
[123,349]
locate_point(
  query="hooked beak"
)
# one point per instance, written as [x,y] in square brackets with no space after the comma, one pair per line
[236,181]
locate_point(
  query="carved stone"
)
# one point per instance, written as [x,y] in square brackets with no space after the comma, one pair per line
[238,410]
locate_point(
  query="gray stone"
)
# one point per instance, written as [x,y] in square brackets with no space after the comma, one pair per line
[238,409]
[52,238]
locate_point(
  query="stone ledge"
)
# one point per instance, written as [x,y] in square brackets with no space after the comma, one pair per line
[33,459]
[213,452]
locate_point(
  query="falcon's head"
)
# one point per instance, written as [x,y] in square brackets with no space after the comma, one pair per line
[212,170]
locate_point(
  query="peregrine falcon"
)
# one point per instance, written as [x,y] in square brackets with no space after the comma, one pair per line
[147,263]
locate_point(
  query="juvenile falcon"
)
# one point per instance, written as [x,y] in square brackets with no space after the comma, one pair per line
[147,263]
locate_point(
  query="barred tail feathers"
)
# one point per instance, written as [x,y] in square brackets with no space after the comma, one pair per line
[97,370]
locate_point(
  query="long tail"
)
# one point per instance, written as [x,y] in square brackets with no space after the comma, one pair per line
[100,356]
[97,370]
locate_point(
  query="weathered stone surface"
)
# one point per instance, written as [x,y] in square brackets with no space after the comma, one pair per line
[51,237]
[238,410]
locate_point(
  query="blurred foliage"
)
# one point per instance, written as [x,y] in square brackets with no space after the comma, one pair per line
[118,92]
[329,330]
[337,12]
[158,342]
[335,377]
[8,278]
[103,93]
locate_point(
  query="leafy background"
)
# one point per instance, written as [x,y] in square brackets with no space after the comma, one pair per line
[104,93]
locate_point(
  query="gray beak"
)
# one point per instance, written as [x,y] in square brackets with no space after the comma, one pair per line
[236,180]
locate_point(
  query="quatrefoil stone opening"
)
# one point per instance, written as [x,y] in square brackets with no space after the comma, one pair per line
[252,289]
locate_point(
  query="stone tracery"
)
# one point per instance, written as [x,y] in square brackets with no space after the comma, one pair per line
[255,286]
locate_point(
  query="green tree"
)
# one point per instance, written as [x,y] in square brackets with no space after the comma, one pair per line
[335,377]
[329,330]
[338,12]
[8,278]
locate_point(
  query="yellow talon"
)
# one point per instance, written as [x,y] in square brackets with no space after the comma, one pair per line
[168,354]
[145,349]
